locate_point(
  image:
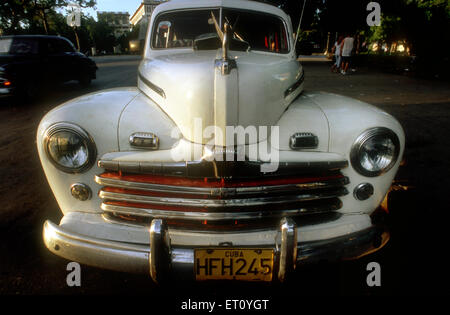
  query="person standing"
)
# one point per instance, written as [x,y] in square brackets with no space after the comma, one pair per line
[337,53]
[346,52]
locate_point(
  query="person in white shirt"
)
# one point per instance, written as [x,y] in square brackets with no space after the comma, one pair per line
[346,52]
[337,53]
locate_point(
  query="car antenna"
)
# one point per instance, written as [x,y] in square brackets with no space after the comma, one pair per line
[300,22]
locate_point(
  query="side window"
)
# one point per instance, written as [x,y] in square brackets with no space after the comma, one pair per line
[5,45]
[65,46]
[52,47]
[22,46]
[58,46]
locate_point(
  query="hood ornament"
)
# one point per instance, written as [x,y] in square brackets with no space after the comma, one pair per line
[225,65]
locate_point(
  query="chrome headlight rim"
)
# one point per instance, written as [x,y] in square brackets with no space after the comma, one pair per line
[80,132]
[355,152]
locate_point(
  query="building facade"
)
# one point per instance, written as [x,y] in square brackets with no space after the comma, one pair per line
[119,21]
[142,15]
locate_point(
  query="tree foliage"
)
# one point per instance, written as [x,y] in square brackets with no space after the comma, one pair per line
[424,24]
[16,16]
[46,17]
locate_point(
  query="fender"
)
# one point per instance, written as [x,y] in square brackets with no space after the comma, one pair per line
[98,114]
[347,119]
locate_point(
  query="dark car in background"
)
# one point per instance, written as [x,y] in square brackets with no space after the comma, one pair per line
[29,63]
[307,48]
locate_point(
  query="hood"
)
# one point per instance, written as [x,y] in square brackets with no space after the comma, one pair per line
[199,98]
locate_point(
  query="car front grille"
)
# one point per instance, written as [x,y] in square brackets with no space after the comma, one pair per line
[223,200]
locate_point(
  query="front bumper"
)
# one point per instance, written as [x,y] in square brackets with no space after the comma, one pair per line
[6,91]
[162,260]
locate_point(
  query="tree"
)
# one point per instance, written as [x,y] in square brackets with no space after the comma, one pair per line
[43,7]
[15,14]
[102,35]
[423,24]
[134,34]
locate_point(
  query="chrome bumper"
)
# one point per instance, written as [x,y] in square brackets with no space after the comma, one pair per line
[162,260]
[6,91]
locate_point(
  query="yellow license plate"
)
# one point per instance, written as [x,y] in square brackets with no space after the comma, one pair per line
[247,264]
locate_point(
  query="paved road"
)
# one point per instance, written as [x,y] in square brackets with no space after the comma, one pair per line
[413,262]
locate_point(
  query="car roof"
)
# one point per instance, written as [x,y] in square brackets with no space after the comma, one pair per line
[33,36]
[259,6]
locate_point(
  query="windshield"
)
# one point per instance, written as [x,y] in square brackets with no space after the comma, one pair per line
[182,29]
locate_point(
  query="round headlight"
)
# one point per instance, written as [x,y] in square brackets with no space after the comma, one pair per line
[69,148]
[375,152]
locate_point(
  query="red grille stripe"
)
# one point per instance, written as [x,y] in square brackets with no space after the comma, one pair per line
[216,183]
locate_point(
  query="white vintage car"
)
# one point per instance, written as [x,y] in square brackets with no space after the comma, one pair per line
[218,166]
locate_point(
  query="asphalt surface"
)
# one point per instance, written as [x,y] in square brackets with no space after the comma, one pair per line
[413,262]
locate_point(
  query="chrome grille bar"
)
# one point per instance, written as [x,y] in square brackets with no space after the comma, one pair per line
[201,191]
[334,204]
[223,191]
[219,169]
[220,204]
